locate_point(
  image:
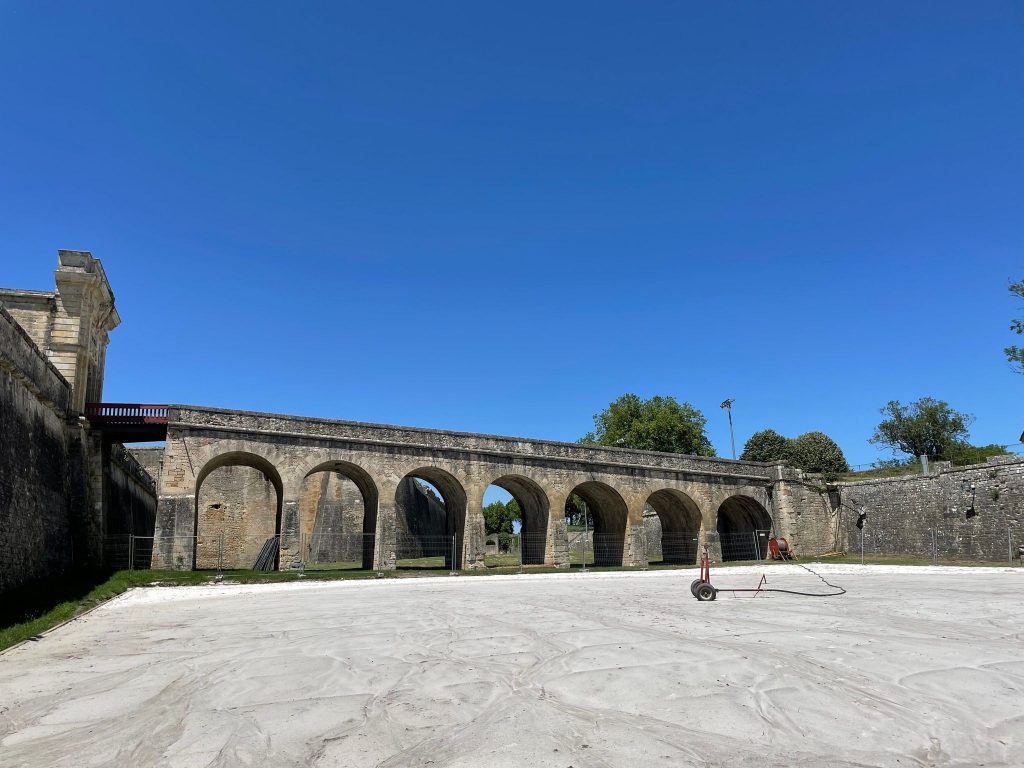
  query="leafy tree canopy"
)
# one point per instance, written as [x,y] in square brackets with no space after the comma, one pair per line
[766,445]
[1015,354]
[927,427]
[658,424]
[817,452]
[499,516]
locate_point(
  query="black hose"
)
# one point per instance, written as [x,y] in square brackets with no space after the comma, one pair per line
[839,590]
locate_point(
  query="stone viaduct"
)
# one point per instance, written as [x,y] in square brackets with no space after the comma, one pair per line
[705,500]
[73,496]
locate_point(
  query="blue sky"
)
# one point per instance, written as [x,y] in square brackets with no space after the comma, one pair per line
[500,217]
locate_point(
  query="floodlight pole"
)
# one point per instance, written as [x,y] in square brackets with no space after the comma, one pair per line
[727,405]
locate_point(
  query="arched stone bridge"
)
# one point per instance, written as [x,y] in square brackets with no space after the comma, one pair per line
[703,500]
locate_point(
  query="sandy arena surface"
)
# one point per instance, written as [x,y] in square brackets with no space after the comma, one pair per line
[914,666]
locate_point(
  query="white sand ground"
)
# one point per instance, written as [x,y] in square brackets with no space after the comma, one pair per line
[915,666]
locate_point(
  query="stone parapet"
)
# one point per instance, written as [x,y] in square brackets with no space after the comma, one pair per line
[20,355]
[188,417]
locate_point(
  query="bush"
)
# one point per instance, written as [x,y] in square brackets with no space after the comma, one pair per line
[817,452]
[766,445]
[962,454]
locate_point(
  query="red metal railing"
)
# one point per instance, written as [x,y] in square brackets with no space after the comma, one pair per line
[125,413]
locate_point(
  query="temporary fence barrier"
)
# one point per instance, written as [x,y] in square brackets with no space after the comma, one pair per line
[583,549]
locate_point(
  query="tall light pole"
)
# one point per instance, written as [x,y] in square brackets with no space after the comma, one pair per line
[727,404]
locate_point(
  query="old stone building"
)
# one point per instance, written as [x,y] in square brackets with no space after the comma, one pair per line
[63,487]
[71,324]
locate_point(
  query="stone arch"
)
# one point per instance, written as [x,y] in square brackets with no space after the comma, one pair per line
[325,533]
[610,514]
[743,526]
[680,519]
[235,518]
[453,494]
[533,502]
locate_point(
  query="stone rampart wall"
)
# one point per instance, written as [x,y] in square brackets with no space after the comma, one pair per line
[928,515]
[131,496]
[37,450]
[151,459]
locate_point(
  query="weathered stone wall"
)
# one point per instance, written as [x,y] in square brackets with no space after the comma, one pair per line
[331,510]
[421,522]
[36,477]
[128,507]
[131,502]
[238,512]
[34,311]
[926,515]
[804,516]
[151,459]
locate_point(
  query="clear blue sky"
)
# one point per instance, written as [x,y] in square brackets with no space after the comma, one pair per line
[499,217]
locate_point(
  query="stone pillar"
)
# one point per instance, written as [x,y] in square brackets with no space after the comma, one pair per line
[556,548]
[174,530]
[636,546]
[473,535]
[174,533]
[714,545]
[289,555]
[385,556]
[634,550]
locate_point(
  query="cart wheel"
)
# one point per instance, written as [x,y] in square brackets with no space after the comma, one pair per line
[706,592]
[693,587]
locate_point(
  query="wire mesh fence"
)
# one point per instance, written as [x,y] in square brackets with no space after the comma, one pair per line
[672,548]
[337,551]
[225,551]
[427,552]
[940,544]
[744,545]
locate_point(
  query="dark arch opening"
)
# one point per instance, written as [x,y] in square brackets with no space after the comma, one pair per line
[608,511]
[237,512]
[535,512]
[679,519]
[338,504]
[744,527]
[431,520]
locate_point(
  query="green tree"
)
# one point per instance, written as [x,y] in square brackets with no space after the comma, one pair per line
[927,427]
[766,445]
[1014,353]
[499,516]
[658,424]
[817,452]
